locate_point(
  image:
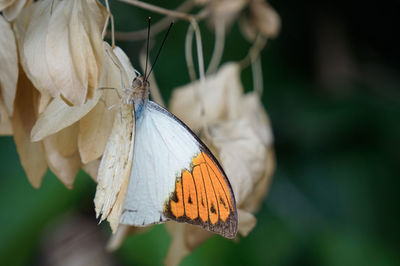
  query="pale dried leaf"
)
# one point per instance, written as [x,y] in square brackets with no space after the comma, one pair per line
[247,222]
[254,201]
[241,153]
[8,66]
[219,98]
[12,11]
[65,168]
[67,140]
[59,115]
[92,168]
[254,111]
[31,155]
[95,127]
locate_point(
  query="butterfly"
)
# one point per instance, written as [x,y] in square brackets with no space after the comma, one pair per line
[171,174]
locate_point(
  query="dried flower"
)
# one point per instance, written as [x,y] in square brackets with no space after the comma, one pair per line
[61,48]
[261,19]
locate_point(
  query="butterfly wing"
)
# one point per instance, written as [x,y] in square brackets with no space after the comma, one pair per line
[175,177]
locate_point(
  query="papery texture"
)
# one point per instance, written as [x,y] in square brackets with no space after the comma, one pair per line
[9,65]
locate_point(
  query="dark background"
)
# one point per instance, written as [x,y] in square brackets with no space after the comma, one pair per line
[332,90]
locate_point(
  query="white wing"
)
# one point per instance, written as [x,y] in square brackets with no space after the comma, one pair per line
[163,148]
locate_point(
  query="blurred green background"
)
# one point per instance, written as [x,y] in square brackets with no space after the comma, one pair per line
[332,90]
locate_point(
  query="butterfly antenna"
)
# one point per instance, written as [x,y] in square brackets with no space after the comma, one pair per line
[147,48]
[159,50]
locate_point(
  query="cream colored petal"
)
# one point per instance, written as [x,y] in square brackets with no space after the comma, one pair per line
[74,49]
[95,127]
[65,168]
[31,155]
[31,28]
[8,66]
[58,54]
[219,98]
[5,123]
[247,222]
[67,140]
[6,3]
[11,12]
[92,168]
[59,115]
[92,54]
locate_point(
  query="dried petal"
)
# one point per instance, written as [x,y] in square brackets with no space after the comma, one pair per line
[95,128]
[219,98]
[92,168]
[59,115]
[31,154]
[74,48]
[61,49]
[65,168]
[247,222]
[5,3]
[30,28]
[241,154]
[13,10]
[8,66]
[67,140]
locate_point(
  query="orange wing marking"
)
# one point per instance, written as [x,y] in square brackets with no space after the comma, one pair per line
[202,193]
[177,205]
[189,196]
[219,178]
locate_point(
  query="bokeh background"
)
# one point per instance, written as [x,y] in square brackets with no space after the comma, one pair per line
[332,90]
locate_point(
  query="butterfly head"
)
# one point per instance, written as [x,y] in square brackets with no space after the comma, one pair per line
[140,88]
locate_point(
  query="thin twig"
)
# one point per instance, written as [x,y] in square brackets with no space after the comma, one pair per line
[156,27]
[189,53]
[160,10]
[254,51]
[258,83]
[218,47]
[111,17]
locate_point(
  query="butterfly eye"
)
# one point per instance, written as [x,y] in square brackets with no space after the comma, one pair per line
[137,83]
